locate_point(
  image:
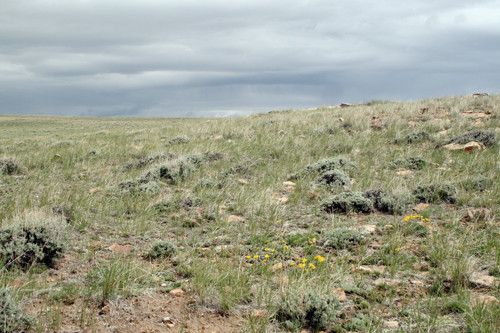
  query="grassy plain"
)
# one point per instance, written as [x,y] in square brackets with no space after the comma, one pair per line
[337,219]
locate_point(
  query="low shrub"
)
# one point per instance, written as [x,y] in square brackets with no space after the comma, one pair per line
[309,309]
[171,172]
[412,163]
[145,161]
[329,164]
[414,137]
[9,166]
[140,186]
[387,203]
[435,193]
[161,249]
[178,170]
[36,243]
[179,140]
[341,238]
[487,138]
[414,228]
[347,202]
[334,178]
[479,183]
[12,317]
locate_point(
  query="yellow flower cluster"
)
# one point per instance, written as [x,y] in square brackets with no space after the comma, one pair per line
[261,257]
[306,264]
[416,217]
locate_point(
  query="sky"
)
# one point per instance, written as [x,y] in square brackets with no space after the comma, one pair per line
[214,57]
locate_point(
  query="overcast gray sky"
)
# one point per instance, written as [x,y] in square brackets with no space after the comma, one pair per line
[211,57]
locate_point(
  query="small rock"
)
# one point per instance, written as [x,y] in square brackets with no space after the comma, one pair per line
[417,283]
[405,173]
[476,115]
[288,183]
[340,294]
[391,324]
[259,313]
[388,282]
[220,248]
[477,214]
[104,310]
[176,292]
[282,200]
[122,249]
[368,229]
[482,280]
[94,190]
[471,146]
[468,147]
[478,299]
[370,269]
[420,207]
[168,321]
[277,267]
[235,218]
[376,123]
[312,195]
[242,181]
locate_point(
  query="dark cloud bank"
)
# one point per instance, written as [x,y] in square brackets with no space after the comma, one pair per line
[223,57]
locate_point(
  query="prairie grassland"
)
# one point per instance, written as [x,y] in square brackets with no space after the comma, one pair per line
[336,219]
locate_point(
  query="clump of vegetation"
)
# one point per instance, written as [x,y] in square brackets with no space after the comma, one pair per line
[342,238]
[12,317]
[140,186]
[414,228]
[414,137]
[412,163]
[67,293]
[310,309]
[117,278]
[487,138]
[329,164]
[479,183]
[334,178]
[324,165]
[435,193]
[206,183]
[348,202]
[178,170]
[65,211]
[35,242]
[387,203]
[9,166]
[179,140]
[161,249]
[212,156]
[171,172]
[142,162]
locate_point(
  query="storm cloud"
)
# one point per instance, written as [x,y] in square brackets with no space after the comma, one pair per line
[213,57]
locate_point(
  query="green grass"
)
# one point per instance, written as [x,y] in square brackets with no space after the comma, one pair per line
[212,192]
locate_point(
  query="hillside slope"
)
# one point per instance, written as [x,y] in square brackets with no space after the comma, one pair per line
[369,218]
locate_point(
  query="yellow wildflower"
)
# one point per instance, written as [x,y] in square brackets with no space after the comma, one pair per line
[303,260]
[319,258]
[301,265]
[256,257]
[266,256]
[248,257]
[312,266]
